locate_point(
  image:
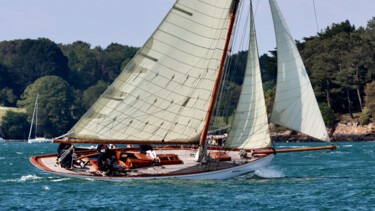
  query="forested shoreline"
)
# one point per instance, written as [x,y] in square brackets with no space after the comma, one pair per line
[69,77]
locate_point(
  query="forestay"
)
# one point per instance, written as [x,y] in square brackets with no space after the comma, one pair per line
[295,104]
[163,94]
[250,124]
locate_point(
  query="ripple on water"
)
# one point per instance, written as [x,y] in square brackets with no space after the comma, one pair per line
[24,178]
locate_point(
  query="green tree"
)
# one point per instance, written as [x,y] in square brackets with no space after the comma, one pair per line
[365,116]
[56,104]
[8,51]
[7,97]
[15,125]
[83,62]
[91,94]
[329,116]
[4,76]
[339,61]
[35,59]
[370,97]
[113,60]
[269,100]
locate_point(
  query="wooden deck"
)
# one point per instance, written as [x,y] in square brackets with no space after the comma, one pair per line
[189,165]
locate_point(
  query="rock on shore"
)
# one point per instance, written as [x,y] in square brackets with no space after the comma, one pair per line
[341,132]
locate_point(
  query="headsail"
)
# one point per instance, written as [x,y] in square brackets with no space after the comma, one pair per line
[295,104]
[163,94]
[250,124]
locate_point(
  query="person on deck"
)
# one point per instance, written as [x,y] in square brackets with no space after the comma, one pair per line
[106,159]
[65,156]
[61,147]
[147,149]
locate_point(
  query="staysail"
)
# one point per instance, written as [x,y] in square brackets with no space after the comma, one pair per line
[163,94]
[295,105]
[250,124]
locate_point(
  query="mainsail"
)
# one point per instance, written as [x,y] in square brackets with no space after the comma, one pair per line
[295,105]
[163,94]
[250,124]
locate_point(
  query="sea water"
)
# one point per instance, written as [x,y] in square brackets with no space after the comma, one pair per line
[315,180]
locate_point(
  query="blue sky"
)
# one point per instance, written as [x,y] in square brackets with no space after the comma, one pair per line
[131,22]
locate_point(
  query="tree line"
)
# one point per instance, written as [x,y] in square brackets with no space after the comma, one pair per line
[340,62]
[69,77]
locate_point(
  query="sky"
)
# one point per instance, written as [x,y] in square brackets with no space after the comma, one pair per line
[131,22]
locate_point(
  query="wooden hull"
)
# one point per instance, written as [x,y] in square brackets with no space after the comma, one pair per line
[190,170]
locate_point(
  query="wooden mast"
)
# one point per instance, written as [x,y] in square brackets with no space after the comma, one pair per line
[219,75]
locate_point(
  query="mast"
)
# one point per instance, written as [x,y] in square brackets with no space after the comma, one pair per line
[36,115]
[32,119]
[219,75]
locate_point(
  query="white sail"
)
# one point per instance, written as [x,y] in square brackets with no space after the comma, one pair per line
[163,94]
[250,124]
[295,105]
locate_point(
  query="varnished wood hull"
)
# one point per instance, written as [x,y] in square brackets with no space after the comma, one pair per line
[189,170]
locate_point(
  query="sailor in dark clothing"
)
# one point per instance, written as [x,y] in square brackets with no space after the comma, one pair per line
[61,147]
[147,149]
[144,148]
[65,156]
[106,159]
[100,147]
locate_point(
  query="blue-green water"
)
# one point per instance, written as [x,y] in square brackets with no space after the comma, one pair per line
[343,179]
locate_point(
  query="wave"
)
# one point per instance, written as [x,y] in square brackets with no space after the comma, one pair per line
[24,178]
[60,179]
[269,173]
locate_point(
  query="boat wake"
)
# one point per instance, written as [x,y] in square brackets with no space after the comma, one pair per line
[268,173]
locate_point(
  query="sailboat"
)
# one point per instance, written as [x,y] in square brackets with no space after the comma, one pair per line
[35,116]
[166,95]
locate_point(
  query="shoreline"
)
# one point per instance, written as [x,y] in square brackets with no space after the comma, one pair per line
[299,138]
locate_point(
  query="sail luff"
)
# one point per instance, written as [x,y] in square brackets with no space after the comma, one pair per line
[250,124]
[295,105]
[163,94]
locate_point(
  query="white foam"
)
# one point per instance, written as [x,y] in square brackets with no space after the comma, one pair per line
[61,179]
[20,153]
[29,177]
[268,173]
[46,187]
[23,178]
[2,158]
[347,145]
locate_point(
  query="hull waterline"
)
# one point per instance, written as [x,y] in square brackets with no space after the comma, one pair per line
[194,173]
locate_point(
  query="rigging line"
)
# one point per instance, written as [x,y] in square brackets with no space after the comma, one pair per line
[217,112]
[229,77]
[225,79]
[316,18]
